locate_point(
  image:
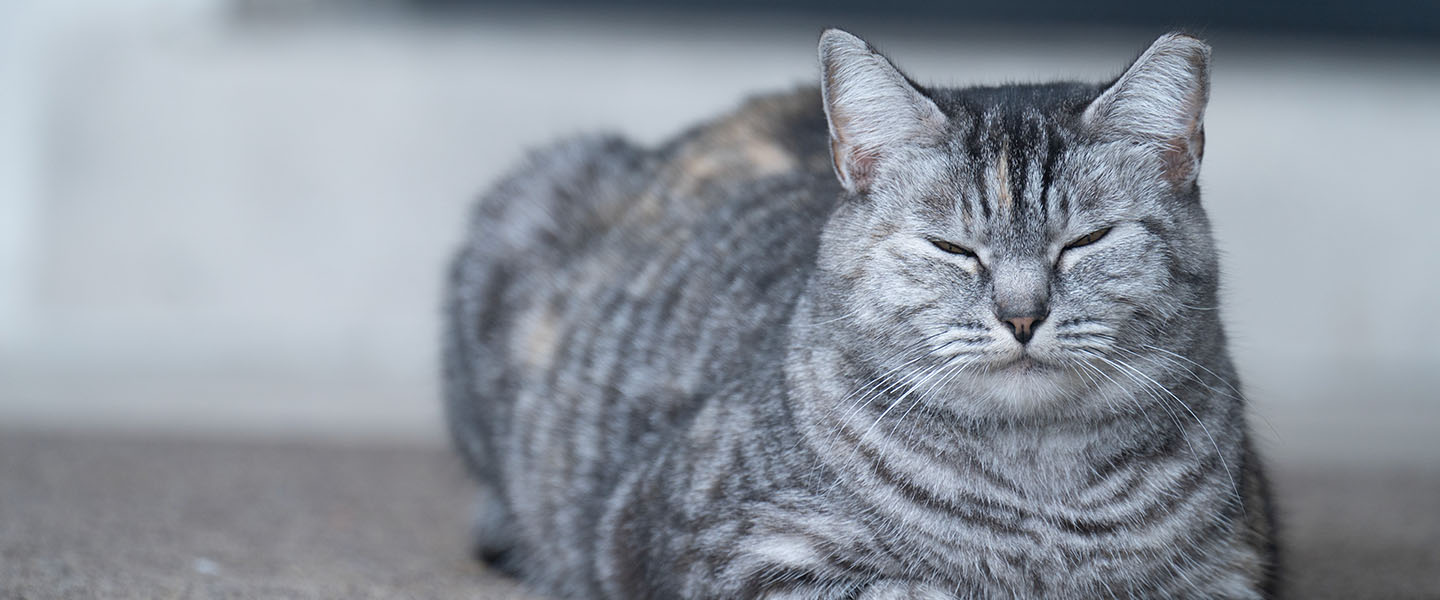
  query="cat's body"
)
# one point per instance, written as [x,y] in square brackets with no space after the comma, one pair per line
[712,370]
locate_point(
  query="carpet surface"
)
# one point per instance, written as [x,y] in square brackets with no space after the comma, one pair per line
[110,517]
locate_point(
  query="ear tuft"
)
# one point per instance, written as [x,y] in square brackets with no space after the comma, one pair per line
[1160,102]
[872,109]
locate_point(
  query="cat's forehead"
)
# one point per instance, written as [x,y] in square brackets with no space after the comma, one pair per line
[1060,103]
[1000,171]
[1009,151]
[1013,123]
[1016,168]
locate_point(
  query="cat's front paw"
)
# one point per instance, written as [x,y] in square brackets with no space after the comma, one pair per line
[493,530]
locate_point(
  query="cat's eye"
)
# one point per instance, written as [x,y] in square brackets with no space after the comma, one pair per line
[953,248]
[1087,239]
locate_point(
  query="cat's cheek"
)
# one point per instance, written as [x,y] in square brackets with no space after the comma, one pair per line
[1066,262]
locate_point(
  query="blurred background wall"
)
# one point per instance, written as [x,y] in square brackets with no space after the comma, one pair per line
[231,218]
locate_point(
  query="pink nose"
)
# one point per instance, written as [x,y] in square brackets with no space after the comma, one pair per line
[1023,327]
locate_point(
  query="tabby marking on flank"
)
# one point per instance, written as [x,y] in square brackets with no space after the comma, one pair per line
[875,340]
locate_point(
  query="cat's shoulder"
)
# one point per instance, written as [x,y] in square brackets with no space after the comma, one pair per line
[767,135]
[774,117]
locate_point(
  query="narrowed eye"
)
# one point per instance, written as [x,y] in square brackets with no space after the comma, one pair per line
[953,248]
[1089,238]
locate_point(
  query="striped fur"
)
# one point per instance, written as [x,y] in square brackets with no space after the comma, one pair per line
[737,367]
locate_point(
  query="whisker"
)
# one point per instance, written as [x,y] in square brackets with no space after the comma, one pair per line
[848,315]
[879,380]
[1236,393]
[930,371]
[943,380]
[1219,454]
[1149,392]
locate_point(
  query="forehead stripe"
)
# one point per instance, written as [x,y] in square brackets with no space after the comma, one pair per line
[1047,174]
[1004,195]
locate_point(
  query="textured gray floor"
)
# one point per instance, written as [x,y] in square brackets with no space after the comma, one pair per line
[107,517]
[110,518]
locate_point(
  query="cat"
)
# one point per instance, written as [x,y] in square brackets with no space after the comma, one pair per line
[874,340]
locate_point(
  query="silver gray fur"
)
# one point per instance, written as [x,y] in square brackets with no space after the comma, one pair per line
[739,366]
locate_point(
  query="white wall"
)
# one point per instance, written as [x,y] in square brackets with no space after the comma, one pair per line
[211,227]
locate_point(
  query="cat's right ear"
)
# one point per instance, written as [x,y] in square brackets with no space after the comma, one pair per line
[873,110]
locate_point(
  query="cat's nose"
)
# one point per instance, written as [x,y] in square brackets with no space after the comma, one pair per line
[1023,327]
[1022,296]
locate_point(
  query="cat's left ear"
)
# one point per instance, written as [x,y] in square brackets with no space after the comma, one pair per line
[1160,102]
[873,110]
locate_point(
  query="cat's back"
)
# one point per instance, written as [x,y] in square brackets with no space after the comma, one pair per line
[581,193]
[605,290]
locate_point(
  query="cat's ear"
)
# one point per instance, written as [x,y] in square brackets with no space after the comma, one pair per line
[1160,102]
[872,108]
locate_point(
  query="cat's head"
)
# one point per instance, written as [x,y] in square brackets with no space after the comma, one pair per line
[1016,247]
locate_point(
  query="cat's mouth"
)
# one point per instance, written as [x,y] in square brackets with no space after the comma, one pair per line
[1024,363]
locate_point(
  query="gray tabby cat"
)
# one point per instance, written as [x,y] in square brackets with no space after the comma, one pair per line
[925,343]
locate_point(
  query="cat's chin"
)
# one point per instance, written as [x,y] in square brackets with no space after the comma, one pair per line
[1027,386]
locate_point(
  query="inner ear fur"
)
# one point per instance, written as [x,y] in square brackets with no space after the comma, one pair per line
[1160,102]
